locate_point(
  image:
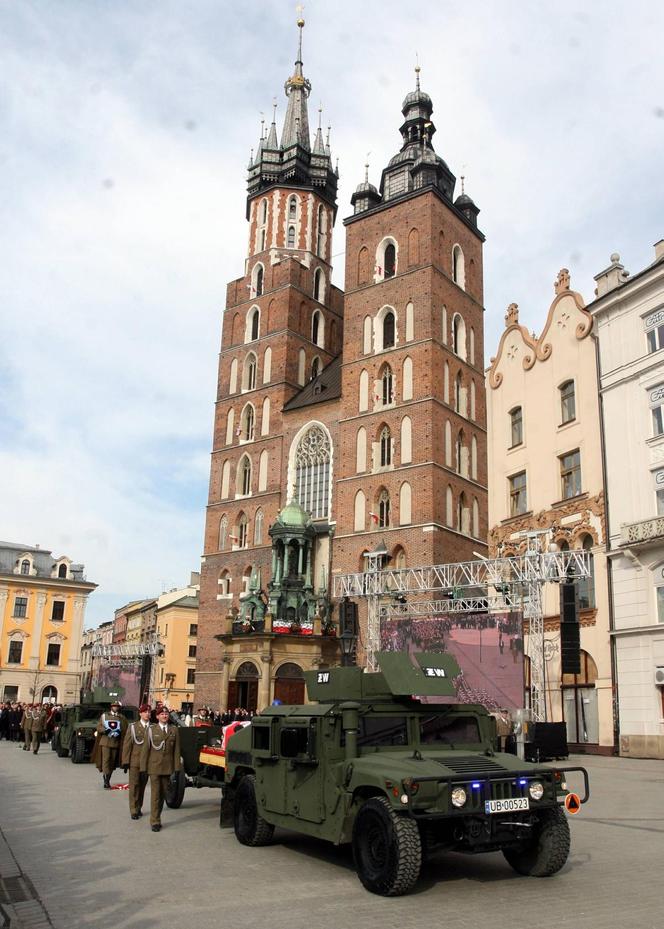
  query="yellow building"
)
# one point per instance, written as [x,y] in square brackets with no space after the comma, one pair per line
[177,628]
[42,611]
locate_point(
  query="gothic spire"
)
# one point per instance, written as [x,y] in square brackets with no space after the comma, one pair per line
[297,89]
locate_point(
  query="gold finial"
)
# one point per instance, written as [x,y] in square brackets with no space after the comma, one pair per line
[299,9]
[274,109]
[262,125]
[417,71]
[463,178]
[320,115]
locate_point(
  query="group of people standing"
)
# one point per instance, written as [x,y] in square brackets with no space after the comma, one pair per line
[26,723]
[146,750]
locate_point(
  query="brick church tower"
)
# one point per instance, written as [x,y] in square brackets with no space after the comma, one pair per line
[282,326]
[412,468]
[344,424]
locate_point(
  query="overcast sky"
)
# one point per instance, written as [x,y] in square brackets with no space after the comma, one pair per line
[125,130]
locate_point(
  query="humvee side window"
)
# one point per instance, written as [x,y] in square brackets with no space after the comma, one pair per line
[449,730]
[294,742]
[261,738]
[382,730]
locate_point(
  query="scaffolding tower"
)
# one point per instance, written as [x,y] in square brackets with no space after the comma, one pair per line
[486,585]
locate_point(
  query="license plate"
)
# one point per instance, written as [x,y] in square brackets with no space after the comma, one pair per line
[507,806]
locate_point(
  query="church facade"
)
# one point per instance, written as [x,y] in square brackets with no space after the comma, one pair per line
[344,421]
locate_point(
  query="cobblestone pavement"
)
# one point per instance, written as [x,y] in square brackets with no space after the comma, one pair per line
[76,851]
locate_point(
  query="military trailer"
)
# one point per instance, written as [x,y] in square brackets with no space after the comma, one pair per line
[373,765]
[74,735]
[203,762]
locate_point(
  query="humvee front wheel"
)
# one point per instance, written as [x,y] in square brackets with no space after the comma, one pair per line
[175,790]
[78,750]
[546,849]
[60,750]
[250,827]
[387,849]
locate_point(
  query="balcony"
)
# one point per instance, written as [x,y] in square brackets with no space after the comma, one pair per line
[646,530]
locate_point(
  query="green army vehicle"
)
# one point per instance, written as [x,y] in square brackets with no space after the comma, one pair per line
[372,765]
[202,762]
[74,736]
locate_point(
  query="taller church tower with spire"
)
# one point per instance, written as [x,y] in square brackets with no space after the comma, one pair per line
[344,424]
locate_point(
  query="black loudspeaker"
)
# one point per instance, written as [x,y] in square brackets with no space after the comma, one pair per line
[547,741]
[570,634]
[348,617]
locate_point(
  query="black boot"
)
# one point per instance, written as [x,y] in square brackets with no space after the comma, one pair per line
[107,782]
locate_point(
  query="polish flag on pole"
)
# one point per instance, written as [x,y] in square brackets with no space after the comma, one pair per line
[374,517]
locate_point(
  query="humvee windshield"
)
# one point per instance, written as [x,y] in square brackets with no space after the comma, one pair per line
[88,712]
[449,730]
[382,730]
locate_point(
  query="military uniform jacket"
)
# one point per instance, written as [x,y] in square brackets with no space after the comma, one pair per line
[160,753]
[39,720]
[26,721]
[104,740]
[132,746]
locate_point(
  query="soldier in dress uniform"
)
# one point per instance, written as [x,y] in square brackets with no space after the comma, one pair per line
[131,759]
[26,726]
[160,757]
[111,730]
[39,717]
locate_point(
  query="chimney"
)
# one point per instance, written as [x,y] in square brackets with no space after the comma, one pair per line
[611,277]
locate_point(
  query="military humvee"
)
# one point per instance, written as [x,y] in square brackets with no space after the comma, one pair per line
[75,733]
[372,765]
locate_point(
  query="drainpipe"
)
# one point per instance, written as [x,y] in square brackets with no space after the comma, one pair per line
[609,561]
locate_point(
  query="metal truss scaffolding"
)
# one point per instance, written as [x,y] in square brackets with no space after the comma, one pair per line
[489,585]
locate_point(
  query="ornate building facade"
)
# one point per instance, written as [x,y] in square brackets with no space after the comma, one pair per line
[343,421]
[545,459]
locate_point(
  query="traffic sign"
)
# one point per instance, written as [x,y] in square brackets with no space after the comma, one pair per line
[573,804]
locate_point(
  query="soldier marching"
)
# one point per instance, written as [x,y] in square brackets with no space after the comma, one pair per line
[132,747]
[111,731]
[160,758]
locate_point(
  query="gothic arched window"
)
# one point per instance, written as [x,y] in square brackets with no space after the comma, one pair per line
[390,261]
[312,471]
[291,237]
[388,330]
[384,509]
[248,423]
[223,533]
[242,531]
[62,570]
[245,476]
[258,528]
[292,208]
[387,384]
[259,290]
[318,274]
[315,367]
[385,447]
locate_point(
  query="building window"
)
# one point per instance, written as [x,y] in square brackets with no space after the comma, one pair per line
[570,474]
[516,426]
[223,533]
[249,374]
[243,532]
[53,654]
[388,330]
[318,274]
[385,448]
[660,608]
[387,385]
[292,208]
[315,367]
[192,651]
[317,328]
[248,422]
[321,234]
[567,402]
[193,628]
[259,292]
[312,472]
[384,510]
[458,267]
[21,607]
[586,585]
[518,496]
[291,237]
[660,502]
[258,528]
[58,613]
[245,476]
[62,571]
[390,261]
[253,322]
[459,336]
[655,339]
[25,566]
[15,652]
[191,675]
[657,407]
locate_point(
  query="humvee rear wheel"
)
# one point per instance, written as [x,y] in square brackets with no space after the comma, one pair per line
[387,849]
[250,827]
[546,849]
[175,790]
[78,750]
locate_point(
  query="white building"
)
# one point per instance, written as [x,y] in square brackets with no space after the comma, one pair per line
[629,324]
